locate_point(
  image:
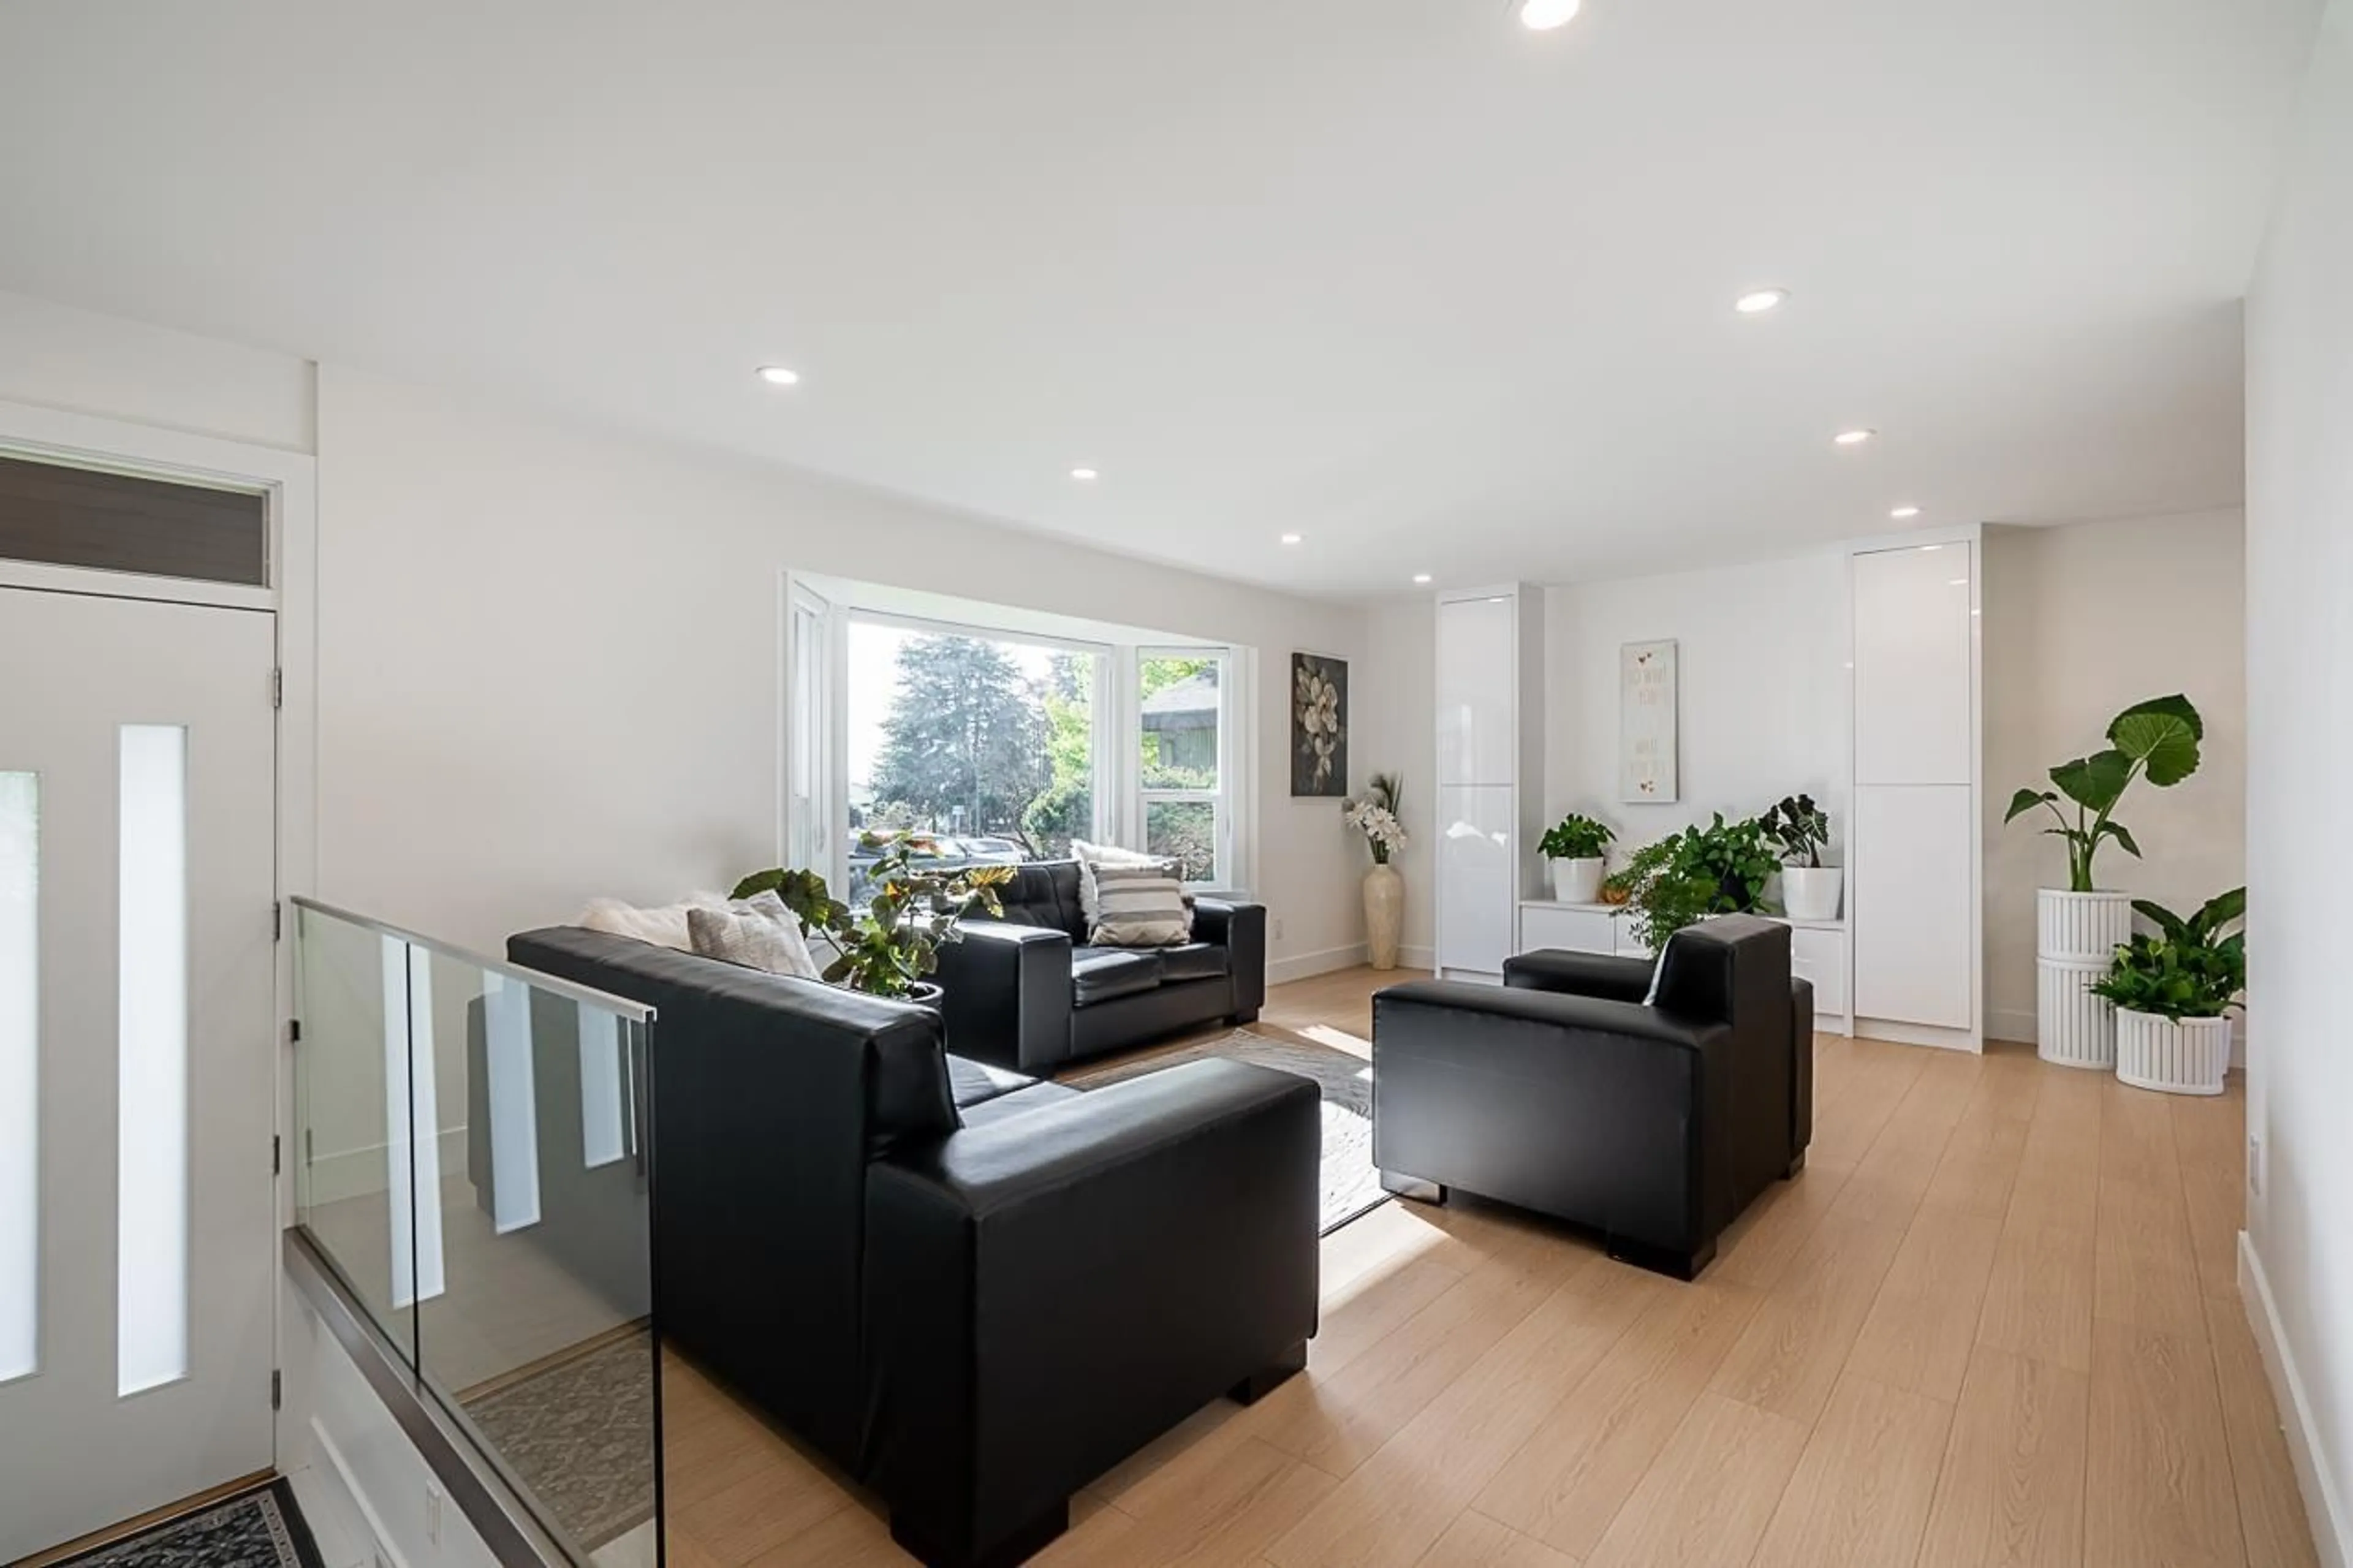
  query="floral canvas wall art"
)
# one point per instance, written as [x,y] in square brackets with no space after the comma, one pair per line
[1319,725]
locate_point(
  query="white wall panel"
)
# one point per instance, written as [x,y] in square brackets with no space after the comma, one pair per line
[1913,904]
[1475,885]
[1478,650]
[1914,667]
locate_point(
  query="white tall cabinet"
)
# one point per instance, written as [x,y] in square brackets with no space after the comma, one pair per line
[1915,851]
[1490,774]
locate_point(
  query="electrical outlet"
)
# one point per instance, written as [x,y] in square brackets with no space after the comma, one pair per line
[433,1512]
[2254,1164]
[1278,928]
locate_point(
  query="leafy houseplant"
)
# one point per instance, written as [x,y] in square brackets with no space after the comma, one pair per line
[2157,739]
[1799,829]
[2187,969]
[888,947]
[1721,868]
[1576,846]
[2173,992]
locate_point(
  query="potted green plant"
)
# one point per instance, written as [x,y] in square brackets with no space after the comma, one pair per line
[2173,992]
[2081,925]
[1719,869]
[1577,848]
[888,947]
[1801,830]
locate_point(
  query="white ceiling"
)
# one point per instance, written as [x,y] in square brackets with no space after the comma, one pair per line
[1437,292]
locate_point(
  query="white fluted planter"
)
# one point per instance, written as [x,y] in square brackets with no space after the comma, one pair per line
[2078,935]
[2188,1055]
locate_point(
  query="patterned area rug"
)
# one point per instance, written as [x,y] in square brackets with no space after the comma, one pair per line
[1351,1185]
[580,1435]
[260,1528]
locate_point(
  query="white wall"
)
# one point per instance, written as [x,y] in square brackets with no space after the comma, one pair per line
[548,664]
[1763,692]
[1397,732]
[89,363]
[2081,622]
[2300,755]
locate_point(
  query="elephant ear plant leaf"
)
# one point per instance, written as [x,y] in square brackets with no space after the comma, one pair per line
[2157,739]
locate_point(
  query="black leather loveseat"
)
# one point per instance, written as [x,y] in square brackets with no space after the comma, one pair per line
[1026,992]
[973,1291]
[1561,1092]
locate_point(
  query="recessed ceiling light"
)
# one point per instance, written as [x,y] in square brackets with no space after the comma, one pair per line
[778,375]
[1421,578]
[1544,16]
[1291,539]
[1756,302]
[1902,513]
[1853,438]
[1083,474]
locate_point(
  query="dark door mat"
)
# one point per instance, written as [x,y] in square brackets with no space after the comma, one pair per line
[259,1529]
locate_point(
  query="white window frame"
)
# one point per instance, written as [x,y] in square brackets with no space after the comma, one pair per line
[1142,798]
[812,829]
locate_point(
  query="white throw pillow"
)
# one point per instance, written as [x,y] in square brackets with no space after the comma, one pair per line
[664,926]
[758,932]
[1089,857]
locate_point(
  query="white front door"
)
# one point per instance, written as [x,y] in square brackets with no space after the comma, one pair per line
[137,978]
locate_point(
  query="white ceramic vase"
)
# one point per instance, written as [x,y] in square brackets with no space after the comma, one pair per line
[2187,1056]
[1812,892]
[1383,915]
[1578,881]
[2078,935]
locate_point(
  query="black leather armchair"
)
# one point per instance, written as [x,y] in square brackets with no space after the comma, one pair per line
[1027,993]
[1561,1092]
[930,1268]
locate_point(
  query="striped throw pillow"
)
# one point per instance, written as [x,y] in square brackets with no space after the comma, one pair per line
[1137,906]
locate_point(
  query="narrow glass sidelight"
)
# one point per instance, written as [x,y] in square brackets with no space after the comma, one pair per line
[20,1074]
[152,1056]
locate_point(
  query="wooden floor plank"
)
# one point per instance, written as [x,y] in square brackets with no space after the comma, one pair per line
[1474,1541]
[1788,1358]
[2039,1296]
[1707,1500]
[2158,1488]
[1924,1322]
[2270,1511]
[1860,1496]
[2009,1493]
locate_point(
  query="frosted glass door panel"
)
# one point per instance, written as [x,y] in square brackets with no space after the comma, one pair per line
[1476,888]
[1914,903]
[1912,666]
[1477,653]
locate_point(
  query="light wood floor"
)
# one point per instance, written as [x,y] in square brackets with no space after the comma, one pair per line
[1995,1321]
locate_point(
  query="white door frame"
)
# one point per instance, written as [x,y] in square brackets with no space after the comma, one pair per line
[289,480]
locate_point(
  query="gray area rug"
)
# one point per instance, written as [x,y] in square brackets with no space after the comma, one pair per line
[580,1435]
[1350,1184]
[258,1529]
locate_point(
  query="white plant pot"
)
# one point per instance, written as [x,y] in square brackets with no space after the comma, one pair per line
[2078,935]
[1578,881]
[1811,892]
[2187,1057]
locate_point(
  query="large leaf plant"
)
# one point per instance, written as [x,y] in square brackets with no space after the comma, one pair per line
[2189,968]
[1721,868]
[892,946]
[2157,739]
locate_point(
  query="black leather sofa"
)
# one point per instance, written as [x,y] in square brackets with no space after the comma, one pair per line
[1560,1092]
[973,1291]
[1026,992]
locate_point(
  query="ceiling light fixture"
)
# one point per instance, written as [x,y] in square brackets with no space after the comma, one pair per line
[1291,539]
[1544,16]
[1853,438]
[1083,474]
[1421,578]
[1904,513]
[778,375]
[1756,302]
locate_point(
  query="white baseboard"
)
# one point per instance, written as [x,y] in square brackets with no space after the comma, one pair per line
[2331,1536]
[1917,1034]
[1418,958]
[1305,965]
